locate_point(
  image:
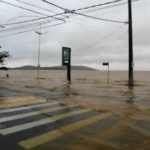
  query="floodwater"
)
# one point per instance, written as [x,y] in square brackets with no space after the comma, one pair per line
[87,84]
[90,89]
[84,85]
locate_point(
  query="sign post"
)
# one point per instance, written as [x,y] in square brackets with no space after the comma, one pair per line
[66,60]
[107,64]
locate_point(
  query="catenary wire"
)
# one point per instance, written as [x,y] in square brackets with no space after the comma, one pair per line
[84,7]
[57,15]
[37,6]
[12,11]
[30,30]
[23,27]
[33,19]
[20,17]
[30,10]
[106,44]
[99,40]
[107,7]
[98,18]
[114,26]
[93,26]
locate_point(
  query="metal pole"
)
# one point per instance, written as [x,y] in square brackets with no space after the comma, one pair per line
[68,72]
[39,53]
[108,73]
[130,45]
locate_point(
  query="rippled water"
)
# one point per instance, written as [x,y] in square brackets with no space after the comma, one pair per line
[84,84]
[90,89]
[91,84]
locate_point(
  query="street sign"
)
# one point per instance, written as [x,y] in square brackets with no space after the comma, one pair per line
[66,56]
[105,64]
[66,60]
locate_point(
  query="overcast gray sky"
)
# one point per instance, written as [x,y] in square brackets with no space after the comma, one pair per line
[92,41]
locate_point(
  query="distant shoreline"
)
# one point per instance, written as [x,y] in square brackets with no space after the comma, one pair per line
[53,68]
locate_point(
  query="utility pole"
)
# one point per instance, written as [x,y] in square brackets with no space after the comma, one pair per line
[39,53]
[39,33]
[130,45]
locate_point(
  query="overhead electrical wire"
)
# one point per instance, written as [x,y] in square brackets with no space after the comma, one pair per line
[36,6]
[31,10]
[107,7]
[32,20]
[102,8]
[92,26]
[30,30]
[99,5]
[99,40]
[106,44]
[66,11]
[53,15]
[99,18]
[99,48]
[12,12]
[106,23]
[74,11]
[82,8]
[23,27]
[117,10]
[20,17]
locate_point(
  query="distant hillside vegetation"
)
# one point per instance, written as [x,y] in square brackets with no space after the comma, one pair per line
[53,68]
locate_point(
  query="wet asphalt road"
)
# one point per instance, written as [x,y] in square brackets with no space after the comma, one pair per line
[33,123]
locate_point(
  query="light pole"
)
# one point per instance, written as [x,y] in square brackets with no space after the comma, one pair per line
[39,33]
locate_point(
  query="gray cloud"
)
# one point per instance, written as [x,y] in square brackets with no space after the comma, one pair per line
[78,33]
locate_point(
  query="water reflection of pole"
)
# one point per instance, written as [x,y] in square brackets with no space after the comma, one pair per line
[131,97]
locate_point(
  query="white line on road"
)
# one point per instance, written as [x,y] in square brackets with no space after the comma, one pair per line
[25,126]
[25,108]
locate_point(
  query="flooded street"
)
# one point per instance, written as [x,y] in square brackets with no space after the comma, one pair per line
[85,84]
[86,114]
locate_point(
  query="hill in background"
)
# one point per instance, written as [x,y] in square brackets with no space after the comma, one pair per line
[53,68]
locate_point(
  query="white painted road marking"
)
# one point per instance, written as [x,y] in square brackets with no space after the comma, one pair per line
[40,122]
[33,113]
[25,126]
[25,108]
[18,116]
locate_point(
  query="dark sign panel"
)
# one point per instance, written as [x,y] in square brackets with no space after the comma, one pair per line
[105,64]
[66,55]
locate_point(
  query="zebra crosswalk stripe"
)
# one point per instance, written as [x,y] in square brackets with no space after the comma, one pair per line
[38,140]
[25,108]
[25,126]
[40,122]
[32,113]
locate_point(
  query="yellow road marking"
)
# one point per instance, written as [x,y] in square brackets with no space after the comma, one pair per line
[45,104]
[39,122]
[9,118]
[105,136]
[53,109]
[30,143]
[69,114]
[20,103]
[19,99]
